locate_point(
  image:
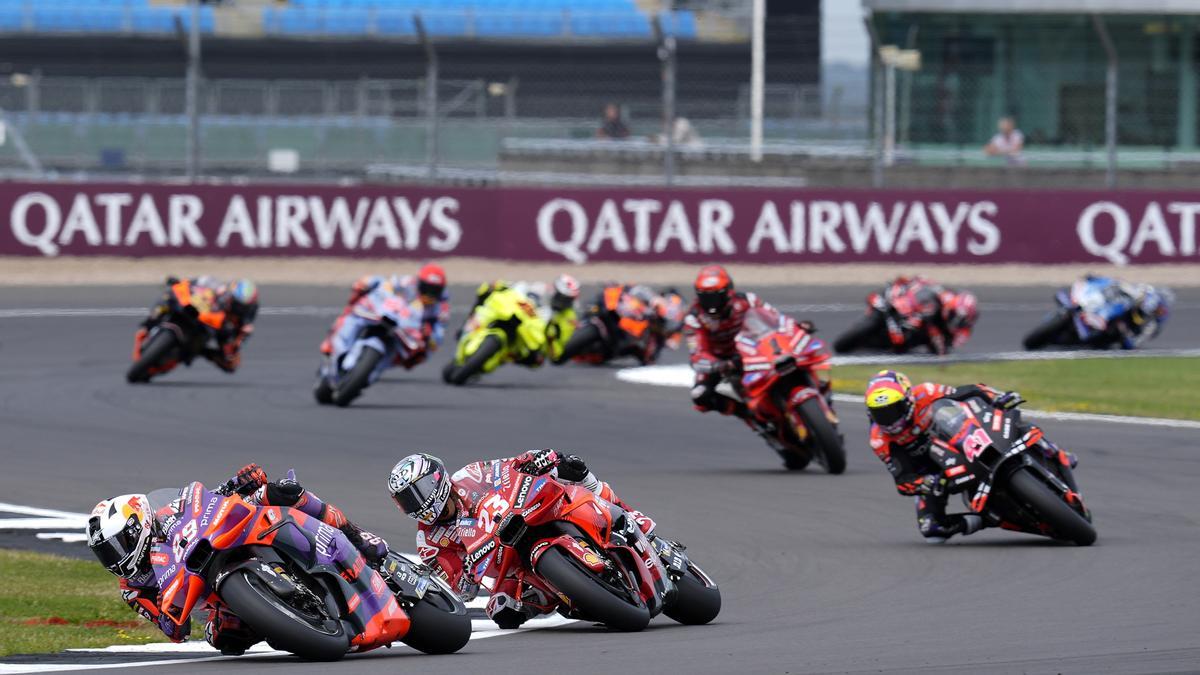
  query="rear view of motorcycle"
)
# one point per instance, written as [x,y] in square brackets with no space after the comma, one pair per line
[383,330]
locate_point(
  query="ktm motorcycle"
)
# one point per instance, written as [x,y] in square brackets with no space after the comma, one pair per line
[294,580]
[995,461]
[506,327]
[621,324]
[179,329]
[896,320]
[382,330]
[785,379]
[588,553]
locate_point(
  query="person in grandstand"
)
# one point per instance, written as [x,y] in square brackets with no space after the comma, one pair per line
[122,530]
[426,291]
[900,419]
[423,488]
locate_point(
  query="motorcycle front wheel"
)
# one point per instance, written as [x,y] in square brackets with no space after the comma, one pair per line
[475,362]
[154,353]
[1048,331]
[859,335]
[1064,521]
[357,379]
[593,597]
[315,636]
[583,338]
[823,435]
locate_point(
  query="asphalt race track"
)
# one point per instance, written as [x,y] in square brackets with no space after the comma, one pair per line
[818,573]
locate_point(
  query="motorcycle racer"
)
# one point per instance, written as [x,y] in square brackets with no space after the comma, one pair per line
[228,309]
[121,530]
[1146,310]
[422,488]
[947,316]
[712,325]
[900,419]
[427,286]
[558,313]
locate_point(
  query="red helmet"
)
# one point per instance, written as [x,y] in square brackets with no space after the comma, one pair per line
[714,289]
[961,311]
[431,281]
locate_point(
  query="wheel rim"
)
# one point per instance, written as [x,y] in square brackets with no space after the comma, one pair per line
[320,622]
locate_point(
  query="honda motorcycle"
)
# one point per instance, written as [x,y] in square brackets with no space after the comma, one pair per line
[181,328]
[381,331]
[896,320]
[572,545]
[294,580]
[505,328]
[785,382]
[994,460]
[1088,312]
[621,324]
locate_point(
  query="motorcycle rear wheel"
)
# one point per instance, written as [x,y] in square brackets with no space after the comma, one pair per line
[153,354]
[589,595]
[859,334]
[824,436]
[283,628]
[475,362]
[1066,523]
[354,382]
[583,338]
[1047,331]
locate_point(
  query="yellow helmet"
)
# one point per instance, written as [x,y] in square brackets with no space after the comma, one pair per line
[889,401]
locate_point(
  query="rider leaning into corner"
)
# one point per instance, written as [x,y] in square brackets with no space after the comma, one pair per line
[555,306]
[900,418]
[232,305]
[423,489]
[122,530]
[949,315]
[1147,311]
[712,326]
[426,289]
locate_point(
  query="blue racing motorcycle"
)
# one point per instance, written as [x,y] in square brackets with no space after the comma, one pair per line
[1101,312]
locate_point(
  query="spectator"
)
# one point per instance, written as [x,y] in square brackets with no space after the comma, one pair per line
[685,135]
[612,126]
[1008,142]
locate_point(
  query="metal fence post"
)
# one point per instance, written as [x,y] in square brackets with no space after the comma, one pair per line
[666,55]
[192,97]
[1110,101]
[431,96]
[757,77]
[876,105]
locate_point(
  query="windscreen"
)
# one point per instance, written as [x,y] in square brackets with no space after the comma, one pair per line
[759,324]
[948,417]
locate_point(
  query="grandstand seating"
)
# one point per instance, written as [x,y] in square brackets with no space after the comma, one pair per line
[493,19]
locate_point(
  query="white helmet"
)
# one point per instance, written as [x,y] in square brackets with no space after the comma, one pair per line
[566,292]
[118,532]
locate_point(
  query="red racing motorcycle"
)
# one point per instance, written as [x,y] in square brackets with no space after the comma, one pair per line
[572,545]
[785,383]
[897,320]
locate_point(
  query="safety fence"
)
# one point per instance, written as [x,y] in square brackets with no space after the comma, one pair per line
[582,225]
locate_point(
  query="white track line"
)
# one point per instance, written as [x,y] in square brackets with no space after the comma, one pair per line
[681,376]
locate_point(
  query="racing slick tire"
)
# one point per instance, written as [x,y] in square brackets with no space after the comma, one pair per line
[583,338]
[696,602]
[589,594]
[282,626]
[860,333]
[357,379]
[824,436]
[475,362]
[1047,331]
[155,352]
[435,627]
[1065,522]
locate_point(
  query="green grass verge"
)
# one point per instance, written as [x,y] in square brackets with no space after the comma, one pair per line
[1147,387]
[50,603]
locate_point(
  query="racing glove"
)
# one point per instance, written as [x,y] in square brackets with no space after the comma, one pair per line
[572,468]
[537,462]
[249,478]
[807,326]
[933,485]
[284,492]
[1008,400]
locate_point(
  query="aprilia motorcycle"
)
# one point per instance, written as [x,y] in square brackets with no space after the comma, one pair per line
[296,581]
[381,331]
[785,380]
[572,545]
[994,460]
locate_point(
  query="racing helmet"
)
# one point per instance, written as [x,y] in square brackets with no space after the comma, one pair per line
[889,400]
[420,486]
[714,290]
[241,298]
[118,532]
[566,292]
[431,281]
[1152,303]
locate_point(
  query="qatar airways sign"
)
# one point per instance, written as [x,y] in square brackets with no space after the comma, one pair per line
[579,226]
